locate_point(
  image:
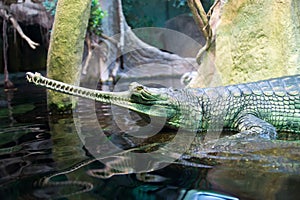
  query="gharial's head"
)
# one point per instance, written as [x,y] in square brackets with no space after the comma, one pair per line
[175,106]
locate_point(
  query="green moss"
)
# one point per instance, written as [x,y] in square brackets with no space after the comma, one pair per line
[66,48]
[255,41]
[96,16]
[60,108]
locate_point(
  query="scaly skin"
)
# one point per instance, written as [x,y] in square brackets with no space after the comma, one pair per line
[259,108]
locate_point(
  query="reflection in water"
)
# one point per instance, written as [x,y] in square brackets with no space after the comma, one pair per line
[26,156]
[44,156]
[22,158]
[9,97]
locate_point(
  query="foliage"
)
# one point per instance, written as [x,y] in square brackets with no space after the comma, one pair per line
[50,6]
[179,3]
[96,16]
[95,21]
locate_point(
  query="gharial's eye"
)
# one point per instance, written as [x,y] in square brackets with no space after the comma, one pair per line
[139,88]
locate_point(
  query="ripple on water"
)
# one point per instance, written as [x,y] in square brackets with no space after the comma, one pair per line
[34,145]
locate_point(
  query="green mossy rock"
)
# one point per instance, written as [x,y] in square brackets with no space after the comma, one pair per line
[258,40]
[255,40]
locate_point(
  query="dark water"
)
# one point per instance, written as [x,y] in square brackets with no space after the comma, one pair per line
[51,156]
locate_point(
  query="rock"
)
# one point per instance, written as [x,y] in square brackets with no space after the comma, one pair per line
[258,40]
[255,40]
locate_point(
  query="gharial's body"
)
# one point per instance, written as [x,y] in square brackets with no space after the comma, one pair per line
[262,107]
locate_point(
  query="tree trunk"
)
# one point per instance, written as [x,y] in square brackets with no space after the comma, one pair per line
[124,50]
[66,47]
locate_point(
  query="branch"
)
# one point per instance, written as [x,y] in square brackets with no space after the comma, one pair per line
[16,25]
[199,16]
[209,13]
[89,56]
[122,28]
[202,21]
[112,40]
[5,46]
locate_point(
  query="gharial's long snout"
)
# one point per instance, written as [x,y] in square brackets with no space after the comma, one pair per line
[31,77]
[106,97]
[137,98]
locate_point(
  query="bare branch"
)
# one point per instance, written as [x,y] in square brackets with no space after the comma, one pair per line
[199,16]
[89,56]
[5,47]
[203,21]
[110,39]
[8,85]
[209,13]
[16,25]
[122,26]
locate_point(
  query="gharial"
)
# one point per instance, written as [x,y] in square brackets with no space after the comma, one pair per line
[260,108]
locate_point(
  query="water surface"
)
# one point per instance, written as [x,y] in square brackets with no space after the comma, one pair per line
[36,146]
